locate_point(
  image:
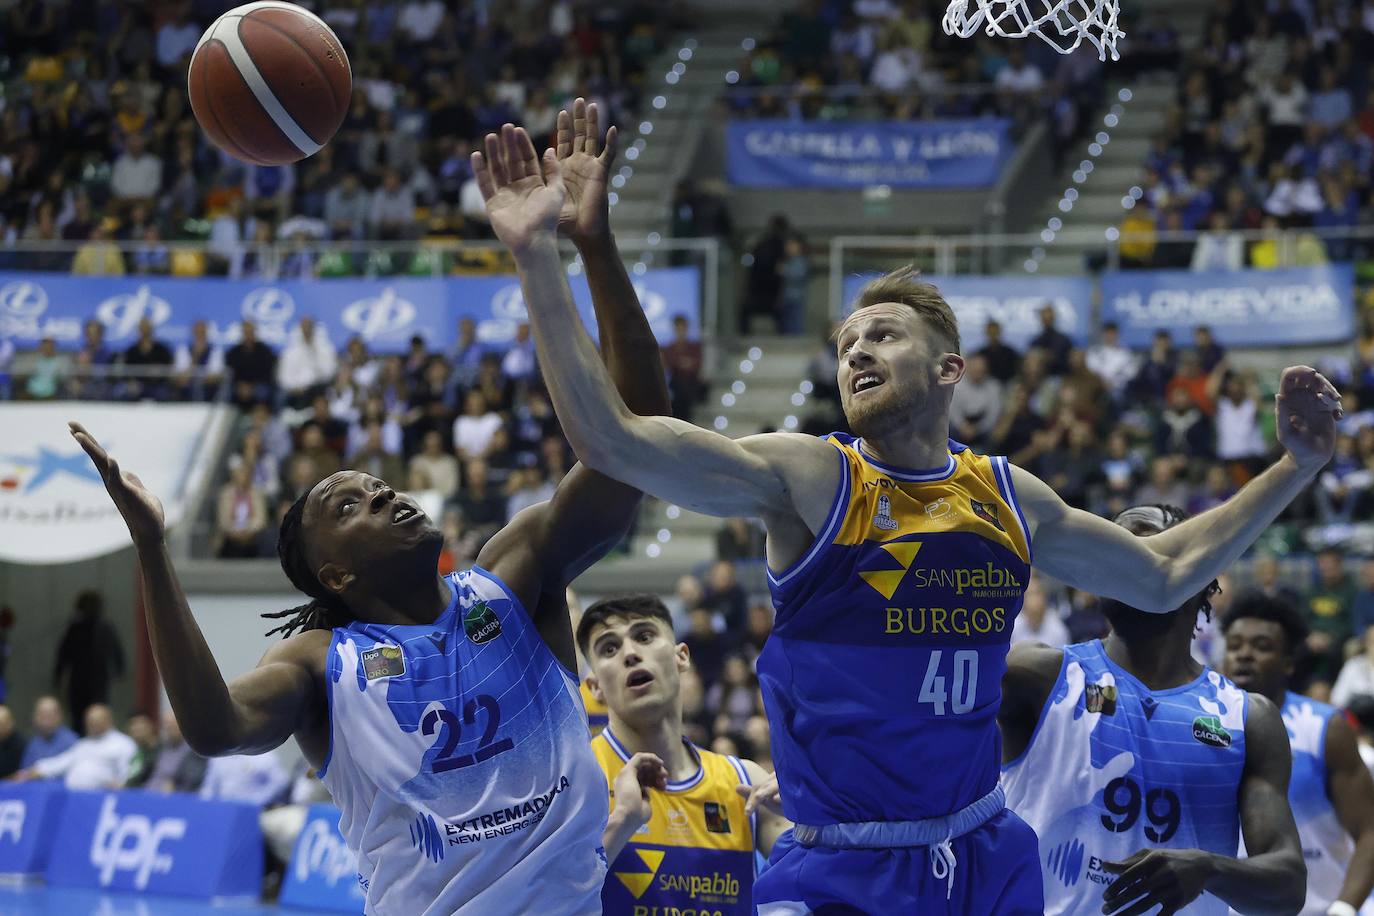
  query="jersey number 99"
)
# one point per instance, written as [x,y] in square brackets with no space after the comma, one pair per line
[1123,800]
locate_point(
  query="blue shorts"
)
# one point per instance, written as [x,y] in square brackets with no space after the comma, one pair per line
[997,874]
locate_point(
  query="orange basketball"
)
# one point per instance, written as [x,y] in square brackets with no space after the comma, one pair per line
[270,82]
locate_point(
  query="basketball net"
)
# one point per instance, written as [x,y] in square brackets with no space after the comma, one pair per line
[1064,23]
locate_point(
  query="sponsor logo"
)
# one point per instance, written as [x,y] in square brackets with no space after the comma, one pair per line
[1149,704]
[986,581]
[12,819]
[481,623]
[503,821]
[1065,862]
[939,509]
[885,581]
[323,852]
[1100,698]
[987,512]
[383,661]
[717,819]
[22,304]
[121,314]
[715,887]
[379,316]
[884,519]
[1208,730]
[268,305]
[439,640]
[26,473]
[132,843]
[424,836]
[23,299]
[940,621]
[639,882]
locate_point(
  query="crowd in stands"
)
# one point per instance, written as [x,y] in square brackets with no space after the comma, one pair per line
[1273,128]
[98,143]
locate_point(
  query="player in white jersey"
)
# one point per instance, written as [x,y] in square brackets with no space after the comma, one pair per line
[443,712]
[1138,768]
[1331,791]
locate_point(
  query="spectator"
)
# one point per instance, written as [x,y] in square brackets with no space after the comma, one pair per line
[1209,352]
[765,276]
[372,457]
[1113,363]
[1003,360]
[241,516]
[525,488]
[392,214]
[307,363]
[739,539]
[498,390]
[315,449]
[152,257]
[1362,612]
[144,735]
[1357,674]
[51,736]
[795,270]
[178,768]
[484,509]
[1267,580]
[1219,248]
[1238,418]
[100,256]
[49,369]
[1182,429]
[439,467]
[101,760]
[473,431]
[137,173]
[733,700]
[1216,489]
[11,745]
[419,20]
[1163,487]
[758,627]
[1037,622]
[1330,604]
[149,361]
[1019,77]
[1332,105]
[725,596]
[705,646]
[682,360]
[519,364]
[255,779]
[977,403]
[199,365]
[253,368]
[347,208]
[465,358]
[90,653]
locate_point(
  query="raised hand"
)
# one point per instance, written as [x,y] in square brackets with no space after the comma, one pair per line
[763,795]
[1307,407]
[141,510]
[645,771]
[586,171]
[524,194]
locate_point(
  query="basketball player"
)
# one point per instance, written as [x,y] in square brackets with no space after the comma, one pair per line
[1137,767]
[441,712]
[897,560]
[1331,791]
[688,844]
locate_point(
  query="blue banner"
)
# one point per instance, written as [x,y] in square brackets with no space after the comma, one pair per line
[1244,308]
[159,844]
[28,825]
[323,874]
[1013,302]
[385,313]
[860,154]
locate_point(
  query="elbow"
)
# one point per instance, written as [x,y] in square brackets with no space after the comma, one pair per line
[207,745]
[606,450]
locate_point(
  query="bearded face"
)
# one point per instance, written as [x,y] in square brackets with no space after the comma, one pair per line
[889,362]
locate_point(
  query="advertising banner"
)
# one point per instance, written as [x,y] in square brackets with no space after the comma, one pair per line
[323,874]
[28,825]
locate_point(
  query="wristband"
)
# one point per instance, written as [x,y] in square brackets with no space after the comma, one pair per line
[1341,908]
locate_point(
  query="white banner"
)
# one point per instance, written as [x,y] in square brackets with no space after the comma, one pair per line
[53,504]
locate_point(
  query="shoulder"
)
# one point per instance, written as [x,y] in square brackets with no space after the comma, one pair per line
[756,773]
[1264,722]
[1034,662]
[308,649]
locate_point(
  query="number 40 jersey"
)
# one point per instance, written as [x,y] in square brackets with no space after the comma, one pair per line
[1114,767]
[459,758]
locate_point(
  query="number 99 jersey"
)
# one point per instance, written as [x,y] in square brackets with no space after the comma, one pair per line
[1114,767]
[459,758]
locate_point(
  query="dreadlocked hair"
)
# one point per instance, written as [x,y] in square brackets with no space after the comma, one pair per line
[325,610]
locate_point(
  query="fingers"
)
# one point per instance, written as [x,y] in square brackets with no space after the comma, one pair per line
[593,138]
[1138,879]
[1143,905]
[579,119]
[496,161]
[91,447]
[607,156]
[552,171]
[522,160]
[482,175]
[564,142]
[1117,868]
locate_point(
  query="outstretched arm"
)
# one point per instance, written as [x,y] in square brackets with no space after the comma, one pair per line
[1351,791]
[770,476]
[1273,877]
[256,712]
[1160,572]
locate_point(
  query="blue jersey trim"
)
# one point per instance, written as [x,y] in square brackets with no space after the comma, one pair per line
[1001,469]
[681,785]
[1044,713]
[827,534]
[909,475]
[329,658]
[745,781]
[496,580]
[1101,650]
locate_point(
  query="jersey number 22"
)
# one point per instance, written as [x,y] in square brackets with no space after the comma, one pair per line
[451,728]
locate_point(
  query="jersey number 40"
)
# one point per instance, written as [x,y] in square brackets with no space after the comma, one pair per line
[962,690]
[450,729]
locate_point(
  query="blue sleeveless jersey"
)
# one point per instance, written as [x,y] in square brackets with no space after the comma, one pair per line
[1326,844]
[459,759]
[883,675]
[1114,767]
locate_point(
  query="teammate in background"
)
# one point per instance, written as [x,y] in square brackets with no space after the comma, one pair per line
[1136,766]
[1331,792]
[686,845]
[897,562]
[441,712]
[597,716]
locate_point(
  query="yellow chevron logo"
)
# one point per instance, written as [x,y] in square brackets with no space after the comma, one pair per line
[637,882]
[885,581]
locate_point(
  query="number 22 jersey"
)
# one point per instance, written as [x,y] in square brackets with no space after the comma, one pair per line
[459,758]
[1114,767]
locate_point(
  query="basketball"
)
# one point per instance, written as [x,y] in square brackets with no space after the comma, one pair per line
[269,82]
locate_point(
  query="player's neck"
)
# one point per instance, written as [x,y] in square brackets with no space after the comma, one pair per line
[921,446]
[407,602]
[661,736]
[1159,661]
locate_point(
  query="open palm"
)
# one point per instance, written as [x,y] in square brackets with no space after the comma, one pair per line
[141,510]
[586,171]
[1307,407]
[524,195]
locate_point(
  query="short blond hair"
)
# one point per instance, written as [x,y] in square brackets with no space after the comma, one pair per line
[905,287]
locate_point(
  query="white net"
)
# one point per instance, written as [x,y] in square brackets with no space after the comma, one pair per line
[1065,24]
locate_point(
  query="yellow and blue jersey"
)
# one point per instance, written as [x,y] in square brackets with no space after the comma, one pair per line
[597,714]
[883,676]
[696,853]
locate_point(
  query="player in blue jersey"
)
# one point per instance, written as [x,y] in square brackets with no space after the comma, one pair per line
[442,712]
[897,562]
[1331,791]
[1139,769]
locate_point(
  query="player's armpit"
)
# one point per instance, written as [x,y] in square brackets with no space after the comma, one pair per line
[277,699]
[1350,789]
